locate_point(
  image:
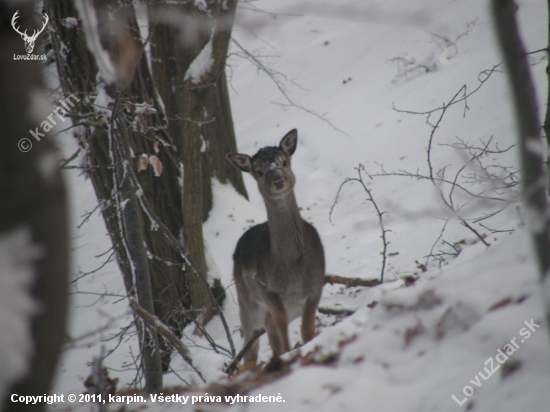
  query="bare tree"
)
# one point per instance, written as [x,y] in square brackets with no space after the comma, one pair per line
[161,128]
[197,109]
[33,199]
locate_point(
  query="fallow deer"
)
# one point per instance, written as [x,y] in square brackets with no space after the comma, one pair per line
[279,265]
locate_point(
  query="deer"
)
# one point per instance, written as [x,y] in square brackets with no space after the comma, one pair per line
[279,265]
[29,40]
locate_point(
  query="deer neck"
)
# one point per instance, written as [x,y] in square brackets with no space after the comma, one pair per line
[286,230]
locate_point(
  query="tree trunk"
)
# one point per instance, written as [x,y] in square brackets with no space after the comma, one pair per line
[532,147]
[78,73]
[33,198]
[132,229]
[198,113]
[166,135]
[546,125]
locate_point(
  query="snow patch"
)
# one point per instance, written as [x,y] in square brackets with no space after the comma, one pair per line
[90,27]
[201,65]
[17,256]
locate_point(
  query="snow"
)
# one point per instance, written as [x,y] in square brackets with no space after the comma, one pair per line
[70,22]
[90,26]
[201,64]
[418,345]
[17,256]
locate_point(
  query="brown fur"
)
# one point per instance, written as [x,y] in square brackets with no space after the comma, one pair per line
[279,265]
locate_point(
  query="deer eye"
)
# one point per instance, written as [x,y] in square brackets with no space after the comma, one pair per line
[259,173]
[284,163]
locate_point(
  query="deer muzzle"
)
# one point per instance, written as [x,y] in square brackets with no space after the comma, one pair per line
[276,179]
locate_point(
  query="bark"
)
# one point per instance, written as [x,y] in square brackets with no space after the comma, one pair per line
[135,245]
[78,73]
[155,131]
[154,323]
[199,114]
[34,198]
[534,179]
[546,124]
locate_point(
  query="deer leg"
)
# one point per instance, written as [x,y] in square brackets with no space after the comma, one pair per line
[308,318]
[251,357]
[276,324]
[249,324]
[250,321]
[252,318]
[252,315]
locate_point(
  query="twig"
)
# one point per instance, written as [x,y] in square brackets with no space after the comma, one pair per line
[233,365]
[70,159]
[481,80]
[385,243]
[202,330]
[273,76]
[160,328]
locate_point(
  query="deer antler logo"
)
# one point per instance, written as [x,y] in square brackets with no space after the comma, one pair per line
[29,40]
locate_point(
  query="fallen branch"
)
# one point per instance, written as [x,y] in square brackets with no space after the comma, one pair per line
[160,328]
[351,281]
[337,312]
[233,365]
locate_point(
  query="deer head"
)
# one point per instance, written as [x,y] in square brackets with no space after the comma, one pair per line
[29,40]
[270,167]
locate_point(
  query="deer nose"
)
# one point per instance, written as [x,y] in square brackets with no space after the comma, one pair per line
[279,183]
[275,178]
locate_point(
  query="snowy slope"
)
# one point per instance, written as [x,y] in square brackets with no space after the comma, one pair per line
[345,63]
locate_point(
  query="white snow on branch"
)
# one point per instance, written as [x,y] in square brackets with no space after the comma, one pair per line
[102,58]
[69,22]
[17,255]
[201,65]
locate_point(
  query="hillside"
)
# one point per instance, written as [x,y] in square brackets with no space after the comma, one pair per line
[452,297]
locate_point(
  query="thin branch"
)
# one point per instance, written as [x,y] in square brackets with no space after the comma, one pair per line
[230,370]
[202,330]
[486,73]
[272,74]
[160,328]
[385,243]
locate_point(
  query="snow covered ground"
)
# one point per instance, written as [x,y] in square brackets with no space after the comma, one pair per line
[344,65]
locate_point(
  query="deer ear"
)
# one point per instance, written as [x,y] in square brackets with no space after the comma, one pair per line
[240,161]
[289,142]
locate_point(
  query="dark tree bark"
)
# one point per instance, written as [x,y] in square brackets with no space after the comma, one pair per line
[78,73]
[546,124]
[32,197]
[198,112]
[158,137]
[532,147]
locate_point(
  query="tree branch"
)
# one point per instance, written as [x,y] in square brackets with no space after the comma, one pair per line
[233,365]
[160,328]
